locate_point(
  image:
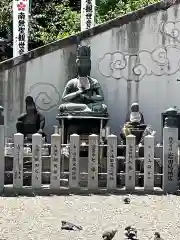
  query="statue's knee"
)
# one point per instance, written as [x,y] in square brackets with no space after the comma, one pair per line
[61,107]
[19,127]
[19,123]
[104,107]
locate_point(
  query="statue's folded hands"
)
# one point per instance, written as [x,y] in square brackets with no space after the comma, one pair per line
[70,96]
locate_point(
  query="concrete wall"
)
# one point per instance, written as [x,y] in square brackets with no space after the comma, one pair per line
[43,78]
[138,61]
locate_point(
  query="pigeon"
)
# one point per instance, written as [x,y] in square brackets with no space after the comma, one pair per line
[157,236]
[127,200]
[70,226]
[108,235]
[130,233]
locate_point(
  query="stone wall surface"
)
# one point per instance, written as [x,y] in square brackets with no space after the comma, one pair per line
[135,58]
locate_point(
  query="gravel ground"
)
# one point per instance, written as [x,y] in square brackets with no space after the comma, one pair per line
[40,217]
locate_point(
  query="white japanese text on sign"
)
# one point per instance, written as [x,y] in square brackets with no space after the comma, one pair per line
[87,14]
[20,27]
[89,8]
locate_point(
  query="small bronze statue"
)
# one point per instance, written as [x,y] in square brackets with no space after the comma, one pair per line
[134,124]
[32,121]
[83,94]
[135,114]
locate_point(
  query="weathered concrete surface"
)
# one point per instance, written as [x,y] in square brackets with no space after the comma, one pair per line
[40,217]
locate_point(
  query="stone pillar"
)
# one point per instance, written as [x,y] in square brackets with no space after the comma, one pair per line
[170,152]
[2,160]
[74,161]
[111,161]
[18,159]
[93,162]
[149,162]
[36,160]
[130,162]
[55,161]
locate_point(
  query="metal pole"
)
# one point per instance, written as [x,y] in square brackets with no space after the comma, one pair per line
[30,6]
[2,157]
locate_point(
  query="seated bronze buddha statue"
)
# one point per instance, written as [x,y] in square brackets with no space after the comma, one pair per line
[83,94]
[32,121]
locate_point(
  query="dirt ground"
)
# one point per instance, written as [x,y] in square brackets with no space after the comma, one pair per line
[40,217]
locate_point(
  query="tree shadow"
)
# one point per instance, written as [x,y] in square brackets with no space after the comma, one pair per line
[9,191]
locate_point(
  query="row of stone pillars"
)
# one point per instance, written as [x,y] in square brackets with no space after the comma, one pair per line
[170,151]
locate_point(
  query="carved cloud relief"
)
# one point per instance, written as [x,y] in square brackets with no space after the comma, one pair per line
[134,67]
[171,29]
[45,95]
[163,60]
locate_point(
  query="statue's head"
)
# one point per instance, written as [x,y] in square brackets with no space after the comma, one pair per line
[135,107]
[30,105]
[135,116]
[83,61]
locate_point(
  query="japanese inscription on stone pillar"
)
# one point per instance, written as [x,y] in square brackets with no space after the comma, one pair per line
[36,160]
[149,167]
[36,163]
[130,162]
[149,162]
[18,160]
[170,159]
[74,161]
[111,167]
[93,162]
[55,163]
[111,161]
[74,167]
